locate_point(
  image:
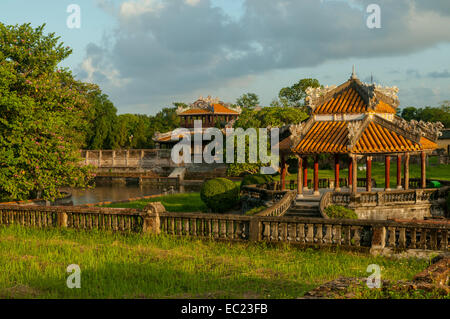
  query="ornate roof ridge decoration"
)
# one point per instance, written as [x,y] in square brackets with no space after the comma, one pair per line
[401,127]
[370,93]
[316,95]
[207,103]
[430,130]
[299,130]
[355,129]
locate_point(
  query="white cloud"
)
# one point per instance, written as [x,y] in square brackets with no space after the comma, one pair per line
[192,2]
[131,9]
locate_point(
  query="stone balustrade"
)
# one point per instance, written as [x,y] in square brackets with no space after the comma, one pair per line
[281,200]
[376,236]
[413,203]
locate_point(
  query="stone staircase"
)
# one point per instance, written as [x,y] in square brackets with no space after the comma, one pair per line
[305,207]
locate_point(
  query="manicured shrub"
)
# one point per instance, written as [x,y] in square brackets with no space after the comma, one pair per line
[256,179]
[219,194]
[335,211]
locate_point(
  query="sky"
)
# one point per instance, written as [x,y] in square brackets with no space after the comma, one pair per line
[146,54]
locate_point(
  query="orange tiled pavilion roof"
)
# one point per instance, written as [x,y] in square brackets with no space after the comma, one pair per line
[359,118]
[208,106]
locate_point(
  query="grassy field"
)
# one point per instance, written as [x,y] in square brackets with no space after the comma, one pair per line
[438,172]
[34,262]
[185,202]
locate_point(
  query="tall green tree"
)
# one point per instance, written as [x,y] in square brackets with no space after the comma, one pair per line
[248,100]
[295,95]
[266,117]
[43,114]
[102,131]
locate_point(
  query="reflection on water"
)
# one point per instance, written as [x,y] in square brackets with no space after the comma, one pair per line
[106,193]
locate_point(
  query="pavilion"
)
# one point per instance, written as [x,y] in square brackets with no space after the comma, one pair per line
[358,120]
[210,111]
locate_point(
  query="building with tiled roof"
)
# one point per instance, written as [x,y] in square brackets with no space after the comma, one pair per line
[359,120]
[210,111]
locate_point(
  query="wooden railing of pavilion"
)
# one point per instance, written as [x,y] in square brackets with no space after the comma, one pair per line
[366,235]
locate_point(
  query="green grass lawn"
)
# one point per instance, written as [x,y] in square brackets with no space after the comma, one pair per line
[185,202]
[438,172]
[33,264]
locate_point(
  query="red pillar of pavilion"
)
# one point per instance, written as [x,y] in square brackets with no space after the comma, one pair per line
[369,173]
[406,172]
[423,177]
[299,178]
[399,171]
[354,174]
[316,175]
[283,173]
[337,187]
[387,172]
[305,173]
[350,173]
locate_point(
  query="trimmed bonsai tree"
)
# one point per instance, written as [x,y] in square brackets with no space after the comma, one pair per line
[219,194]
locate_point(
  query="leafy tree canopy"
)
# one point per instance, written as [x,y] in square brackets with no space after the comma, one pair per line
[295,94]
[43,114]
[248,100]
[428,114]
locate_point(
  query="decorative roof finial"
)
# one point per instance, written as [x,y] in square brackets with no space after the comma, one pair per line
[353,73]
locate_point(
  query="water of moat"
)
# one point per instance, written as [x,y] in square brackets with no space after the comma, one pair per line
[117,192]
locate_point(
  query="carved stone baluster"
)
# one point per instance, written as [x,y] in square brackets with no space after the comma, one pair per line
[116,222]
[301,232]
[423,238]
[319,234]
[392,239]
[210,230]
[201,230]
[230,229]
[337,235]
[356,240]
[292,232]
[179,222]
[310,233]
[328,239]
[39,222]
[274,227]
[216,228]
[347,236]
[284,232]
[238,234]
[223,228]
[444,240]
[172,222]
[186,226]
[413,238]
[433,238]
[266,231]
[402,238]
